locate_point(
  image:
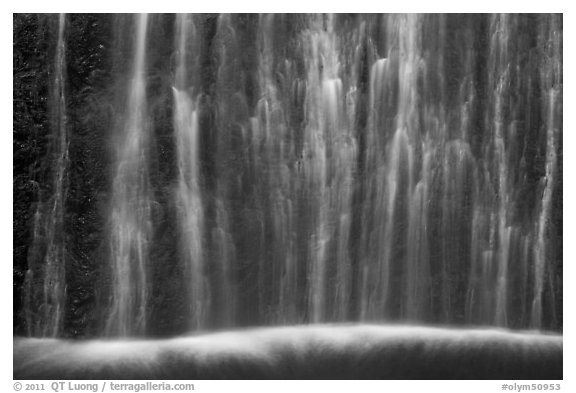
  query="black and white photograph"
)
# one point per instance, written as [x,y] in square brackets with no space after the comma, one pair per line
[282,196]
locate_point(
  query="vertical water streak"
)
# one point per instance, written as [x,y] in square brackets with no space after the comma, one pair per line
[230,122]
[405,31]
[226,254]
[130,216]
[429,133]
[45,286]
[487,294]
[188,194]
[458,172]
[418,270]
[329,154]
[501,74]
[315,170]
[373,215]
[551,80]
[468,98]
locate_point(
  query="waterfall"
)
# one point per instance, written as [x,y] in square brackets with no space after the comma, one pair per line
[271,158]
[45,285]
[188,193]
[327,163]
[291,169]
[551,77]
[131,231]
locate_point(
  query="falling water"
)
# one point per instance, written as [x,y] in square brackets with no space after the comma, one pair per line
[45,286]
[331,168]
[327,164]
[551,79]
[271,149]
[130,232]
[188,194]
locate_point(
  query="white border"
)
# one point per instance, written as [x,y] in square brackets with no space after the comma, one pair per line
[488,6]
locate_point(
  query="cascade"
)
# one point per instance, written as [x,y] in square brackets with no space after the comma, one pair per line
[292,169]
[131,230]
